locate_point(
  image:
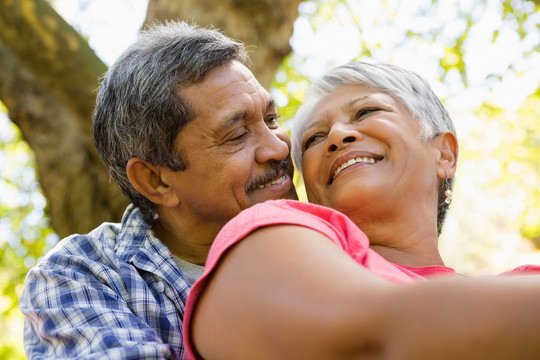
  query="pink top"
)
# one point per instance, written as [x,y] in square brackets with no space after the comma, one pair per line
[331,223]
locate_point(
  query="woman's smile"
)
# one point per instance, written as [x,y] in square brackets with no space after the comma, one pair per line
[351,161]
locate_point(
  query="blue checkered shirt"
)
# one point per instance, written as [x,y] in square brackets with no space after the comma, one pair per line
[115,293]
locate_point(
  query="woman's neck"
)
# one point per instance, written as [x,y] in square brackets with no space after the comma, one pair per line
[413,257]
[405,242]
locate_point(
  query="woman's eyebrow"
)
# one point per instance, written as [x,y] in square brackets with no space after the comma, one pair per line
[313,124]
[351,103]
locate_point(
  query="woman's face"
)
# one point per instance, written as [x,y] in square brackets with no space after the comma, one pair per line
[362,155]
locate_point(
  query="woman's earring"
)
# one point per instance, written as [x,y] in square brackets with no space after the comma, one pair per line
[447,191]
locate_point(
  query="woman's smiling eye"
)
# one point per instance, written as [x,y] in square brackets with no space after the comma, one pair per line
[359,115]
[366,111]
[311,140]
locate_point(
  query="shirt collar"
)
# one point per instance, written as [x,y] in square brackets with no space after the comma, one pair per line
[138,245]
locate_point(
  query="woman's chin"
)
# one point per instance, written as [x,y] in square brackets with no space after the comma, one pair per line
[353,199]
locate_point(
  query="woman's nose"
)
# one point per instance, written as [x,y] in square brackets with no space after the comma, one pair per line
[339,136]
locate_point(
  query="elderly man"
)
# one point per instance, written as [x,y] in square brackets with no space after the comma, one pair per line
[191,138]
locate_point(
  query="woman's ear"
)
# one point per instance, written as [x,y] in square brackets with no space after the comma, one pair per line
[148,180]
[448,150]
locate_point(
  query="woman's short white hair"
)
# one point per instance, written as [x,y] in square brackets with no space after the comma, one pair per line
[405,86]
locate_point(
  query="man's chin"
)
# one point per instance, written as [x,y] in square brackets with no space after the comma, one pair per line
[292,195]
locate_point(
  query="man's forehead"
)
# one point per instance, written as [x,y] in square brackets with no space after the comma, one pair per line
[222,84]
[226,75]
[228,94]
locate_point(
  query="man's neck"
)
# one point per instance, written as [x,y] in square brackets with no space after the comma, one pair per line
[190,242]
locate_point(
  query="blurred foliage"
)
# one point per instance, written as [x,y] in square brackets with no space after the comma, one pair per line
[25,233]
[482,58]
[518,155]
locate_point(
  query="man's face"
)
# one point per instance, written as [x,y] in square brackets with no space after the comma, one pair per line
[236,153]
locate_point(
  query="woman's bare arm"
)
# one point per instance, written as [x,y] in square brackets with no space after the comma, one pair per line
[289,292]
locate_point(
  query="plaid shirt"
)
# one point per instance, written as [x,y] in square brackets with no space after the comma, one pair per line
[115,293]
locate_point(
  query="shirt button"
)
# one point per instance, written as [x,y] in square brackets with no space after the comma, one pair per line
[160,286]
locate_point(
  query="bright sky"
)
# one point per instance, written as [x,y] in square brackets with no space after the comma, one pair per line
[112,25]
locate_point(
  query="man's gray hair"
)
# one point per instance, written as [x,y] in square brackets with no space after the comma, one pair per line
[139,109]
[403,85]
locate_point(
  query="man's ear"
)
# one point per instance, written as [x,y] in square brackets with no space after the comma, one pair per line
[448,150]
[148,179]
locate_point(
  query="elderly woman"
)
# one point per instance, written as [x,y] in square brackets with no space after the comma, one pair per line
[288,280]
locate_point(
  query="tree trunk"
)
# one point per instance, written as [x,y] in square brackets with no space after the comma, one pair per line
[264,26]
[48,79]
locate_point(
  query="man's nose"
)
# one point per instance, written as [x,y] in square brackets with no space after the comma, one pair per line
[340,135]
[271,146]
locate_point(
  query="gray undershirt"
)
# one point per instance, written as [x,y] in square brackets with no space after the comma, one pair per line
[191,271]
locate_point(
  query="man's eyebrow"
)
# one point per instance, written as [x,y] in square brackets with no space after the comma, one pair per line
[234,118]
[230,120]
[271,104]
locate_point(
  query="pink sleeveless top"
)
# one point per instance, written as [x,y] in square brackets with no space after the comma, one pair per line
[331,223]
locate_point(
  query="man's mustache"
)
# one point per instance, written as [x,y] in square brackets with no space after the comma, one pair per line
[270,173]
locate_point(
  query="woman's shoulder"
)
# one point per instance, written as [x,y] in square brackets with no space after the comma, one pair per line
[286,212]
[284,208]
[330,223]
[528,269]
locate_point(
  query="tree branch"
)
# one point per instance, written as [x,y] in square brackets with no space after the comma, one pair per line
[48,86]
[56,54]
[265,26]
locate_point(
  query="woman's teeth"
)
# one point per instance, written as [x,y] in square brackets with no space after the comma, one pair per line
[352,162]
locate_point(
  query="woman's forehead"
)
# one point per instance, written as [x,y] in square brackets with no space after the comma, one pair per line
[345,98]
